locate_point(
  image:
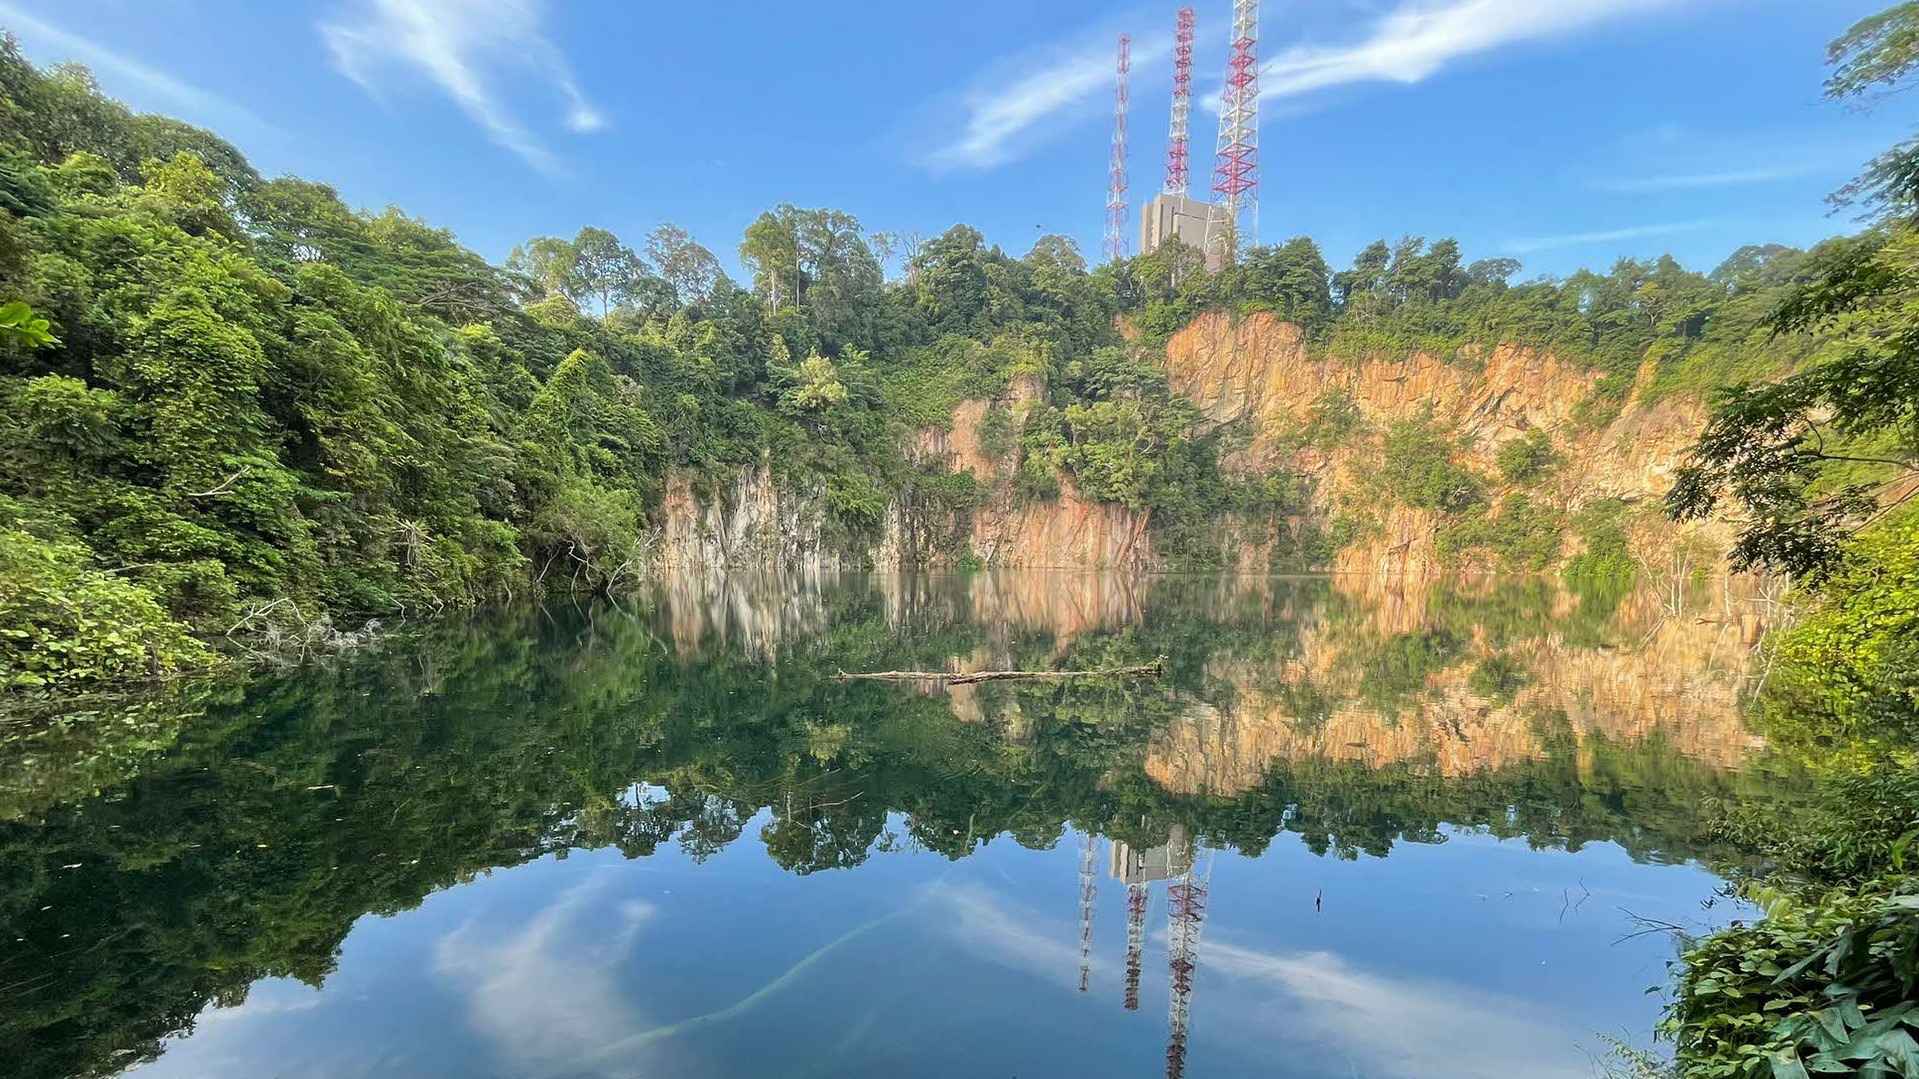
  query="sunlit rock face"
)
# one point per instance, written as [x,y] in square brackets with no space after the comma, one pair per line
[1258,372]
[1259,369]
[756,524]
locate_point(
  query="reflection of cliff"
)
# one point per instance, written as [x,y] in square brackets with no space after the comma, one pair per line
[1458,676]
[755,612]
[1397,680]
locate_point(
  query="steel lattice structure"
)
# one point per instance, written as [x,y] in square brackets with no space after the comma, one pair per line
[1186,912]
[1116,188]
[1177,170]
[1086,914]
[1236,165]
[1136,895]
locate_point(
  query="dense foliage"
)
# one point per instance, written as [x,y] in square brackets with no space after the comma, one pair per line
[234,402]
[1821,464]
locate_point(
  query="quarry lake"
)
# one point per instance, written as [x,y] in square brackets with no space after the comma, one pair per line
[1361,827]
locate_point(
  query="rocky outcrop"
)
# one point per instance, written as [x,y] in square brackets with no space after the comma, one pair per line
[1259,371]
[1064,532]
[755,524]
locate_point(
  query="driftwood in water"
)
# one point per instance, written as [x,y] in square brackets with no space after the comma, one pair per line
[1155,669]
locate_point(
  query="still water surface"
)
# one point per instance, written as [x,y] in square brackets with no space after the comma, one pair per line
[1363,828]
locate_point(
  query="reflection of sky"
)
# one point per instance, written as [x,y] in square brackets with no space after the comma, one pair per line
[1453,961]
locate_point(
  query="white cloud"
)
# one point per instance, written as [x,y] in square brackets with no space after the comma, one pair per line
[470,49]
[1584,239]
[1012,106]
[1418,39]
[550,991]
[207,106]
[980,920]
[1400,1026]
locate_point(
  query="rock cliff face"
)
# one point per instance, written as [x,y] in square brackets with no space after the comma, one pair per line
[1258,373]
[1060,533]
[755,525]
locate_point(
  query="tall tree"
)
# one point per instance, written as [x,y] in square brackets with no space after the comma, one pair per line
[1815,457]
[690,269]
[771,250]
[605,269]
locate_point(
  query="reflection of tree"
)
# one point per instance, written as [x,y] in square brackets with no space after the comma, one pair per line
[288,808]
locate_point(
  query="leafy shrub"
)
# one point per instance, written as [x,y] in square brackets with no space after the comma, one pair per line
[63,622]
[1856,654]
[997,437]
[1331,419]
[1419,470]
[1528,458]
[1606,560]
[1522,535]
[1829,987]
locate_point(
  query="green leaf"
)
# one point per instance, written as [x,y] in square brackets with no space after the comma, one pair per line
[1786,1065]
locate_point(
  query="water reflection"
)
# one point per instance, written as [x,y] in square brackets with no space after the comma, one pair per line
[551,809]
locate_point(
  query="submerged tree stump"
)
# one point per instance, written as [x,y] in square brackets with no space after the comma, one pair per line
[1155,669]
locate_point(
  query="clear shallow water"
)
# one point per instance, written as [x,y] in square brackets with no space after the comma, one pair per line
[1411,828]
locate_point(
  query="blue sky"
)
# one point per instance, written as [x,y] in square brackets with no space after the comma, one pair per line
[1561,132]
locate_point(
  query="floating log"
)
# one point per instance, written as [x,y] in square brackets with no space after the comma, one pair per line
[1155,669]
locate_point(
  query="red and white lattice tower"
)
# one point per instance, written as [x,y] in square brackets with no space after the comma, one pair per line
[1236,166]
[1177,170]
[1116,187]
[1136,896]
[1186,911]
[1086,914]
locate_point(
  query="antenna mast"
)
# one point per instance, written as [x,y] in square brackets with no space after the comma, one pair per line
[1236,167]
[1176,156]
[1186,912]
[1086,914]
[1136,896]
[1116,189]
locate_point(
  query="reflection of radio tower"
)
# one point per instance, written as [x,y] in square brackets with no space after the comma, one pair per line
[1135,940]
[1186,911]
[1086,913]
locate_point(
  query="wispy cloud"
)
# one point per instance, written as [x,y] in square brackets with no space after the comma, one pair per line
[1583,239]
[1418,39]
[1701,181]
[1400,1026]
[550,990]
[1011,107]
[470,49]
[209,106]
[988,926]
